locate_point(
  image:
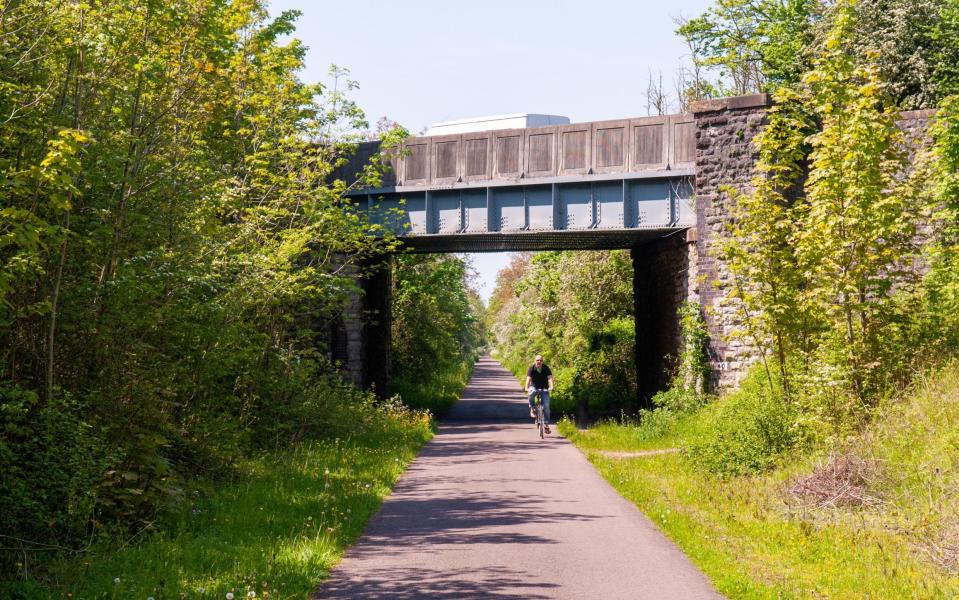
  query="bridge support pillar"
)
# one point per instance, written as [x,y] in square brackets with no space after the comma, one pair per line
[725,159]
[377,287]
[663,278]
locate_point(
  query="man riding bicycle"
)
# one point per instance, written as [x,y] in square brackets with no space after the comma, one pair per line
[539,379]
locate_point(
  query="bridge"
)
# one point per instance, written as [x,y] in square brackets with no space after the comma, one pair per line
[656,185]
[604,184]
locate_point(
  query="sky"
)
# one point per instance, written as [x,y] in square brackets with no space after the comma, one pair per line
[420,62]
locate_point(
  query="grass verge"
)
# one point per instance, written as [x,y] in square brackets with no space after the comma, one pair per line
[756,537]
[275,530]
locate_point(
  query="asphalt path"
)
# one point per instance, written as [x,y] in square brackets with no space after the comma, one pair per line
[488,510]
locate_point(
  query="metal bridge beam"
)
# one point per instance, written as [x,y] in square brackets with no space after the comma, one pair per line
[607,205]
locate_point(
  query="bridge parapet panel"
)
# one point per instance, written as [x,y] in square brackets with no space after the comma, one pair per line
[599,147]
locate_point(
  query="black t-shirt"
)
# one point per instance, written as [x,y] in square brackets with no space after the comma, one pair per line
[540,378]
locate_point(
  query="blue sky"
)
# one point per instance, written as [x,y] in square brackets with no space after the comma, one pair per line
[422,62]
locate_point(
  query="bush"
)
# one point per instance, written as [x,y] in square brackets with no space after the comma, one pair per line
[51,461]
[603,379]
[23,590]
[686,392]
[748,431]
[437,392]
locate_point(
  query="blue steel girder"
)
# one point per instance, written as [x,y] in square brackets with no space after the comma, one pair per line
[662,201]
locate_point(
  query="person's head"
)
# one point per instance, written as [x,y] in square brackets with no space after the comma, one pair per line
[538,361]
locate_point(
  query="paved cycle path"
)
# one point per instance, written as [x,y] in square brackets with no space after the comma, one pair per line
[488,510]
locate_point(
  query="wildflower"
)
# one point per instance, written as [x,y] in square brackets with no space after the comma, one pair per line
[251,594]
[116,580]
[201,590]
[229,596]
[149,597]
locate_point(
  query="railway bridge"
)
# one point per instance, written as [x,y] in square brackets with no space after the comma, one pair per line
[654,185]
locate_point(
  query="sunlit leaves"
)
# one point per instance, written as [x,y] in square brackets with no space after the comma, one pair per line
[829,229]
[172,238]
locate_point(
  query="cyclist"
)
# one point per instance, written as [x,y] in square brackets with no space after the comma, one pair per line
[539,377]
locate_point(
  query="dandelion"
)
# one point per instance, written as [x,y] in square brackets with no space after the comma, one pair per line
[116,580]
[251,594]
[201,590]
[149,597]
[229,596]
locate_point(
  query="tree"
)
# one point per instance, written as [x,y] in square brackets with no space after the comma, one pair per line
[436,328]
[858,224]
[815,268]
[752,45]
[170,228]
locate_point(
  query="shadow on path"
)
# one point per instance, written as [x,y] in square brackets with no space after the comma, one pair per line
[434,583]
[489,510]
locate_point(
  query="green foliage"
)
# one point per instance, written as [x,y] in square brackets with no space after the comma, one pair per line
[749,46]
[747,431]
[574,308]
[937,312]
[52,462]
[858,221]
[436,330]
[908,42]
[604,376]
[945,37]
[768,281]
[276,527]
[687,389]
[753,45]
[823,248]
[170,230]
[828,232]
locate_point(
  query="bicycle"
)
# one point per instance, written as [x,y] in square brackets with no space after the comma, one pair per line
[540,415]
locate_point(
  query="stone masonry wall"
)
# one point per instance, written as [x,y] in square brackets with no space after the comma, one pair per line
[725,156]
[664,276]
[359,337]
[914,125]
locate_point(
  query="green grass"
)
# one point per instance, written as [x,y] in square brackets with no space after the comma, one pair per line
[755,540]
[277,530]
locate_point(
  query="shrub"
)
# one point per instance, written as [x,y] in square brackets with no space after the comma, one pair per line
[686,391]
[51,461]
[747,431]
[604,378]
